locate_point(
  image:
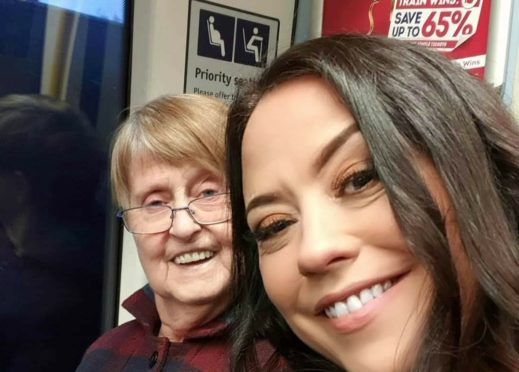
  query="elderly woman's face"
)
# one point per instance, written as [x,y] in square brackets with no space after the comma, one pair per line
[333,259]
[189,263]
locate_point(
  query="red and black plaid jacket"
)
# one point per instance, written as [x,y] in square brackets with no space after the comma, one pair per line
[134,346]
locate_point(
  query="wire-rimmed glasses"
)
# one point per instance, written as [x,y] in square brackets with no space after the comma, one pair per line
[153,219]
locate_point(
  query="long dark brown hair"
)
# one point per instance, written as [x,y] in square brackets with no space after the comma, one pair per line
[408,100]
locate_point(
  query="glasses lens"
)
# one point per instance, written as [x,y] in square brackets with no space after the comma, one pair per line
[148,220]
[211,209]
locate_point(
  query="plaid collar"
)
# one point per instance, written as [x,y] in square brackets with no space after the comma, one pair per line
[141,305]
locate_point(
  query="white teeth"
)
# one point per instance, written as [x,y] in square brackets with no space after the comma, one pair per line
[377,290]
[341,309]
[366,296]
[356,302]
[192,257]
[330,312]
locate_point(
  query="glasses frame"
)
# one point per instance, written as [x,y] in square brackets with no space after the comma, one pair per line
[120,214]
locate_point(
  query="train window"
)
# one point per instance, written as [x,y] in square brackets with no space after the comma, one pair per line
[63,86]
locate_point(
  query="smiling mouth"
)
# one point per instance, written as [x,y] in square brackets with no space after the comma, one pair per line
[191,258]
[357,301]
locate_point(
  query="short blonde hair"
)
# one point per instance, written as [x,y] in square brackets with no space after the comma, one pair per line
[171,129]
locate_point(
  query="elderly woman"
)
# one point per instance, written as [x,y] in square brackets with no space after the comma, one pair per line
[167,174]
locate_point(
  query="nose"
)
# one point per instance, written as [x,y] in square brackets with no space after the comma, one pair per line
[328,239]
[183,226]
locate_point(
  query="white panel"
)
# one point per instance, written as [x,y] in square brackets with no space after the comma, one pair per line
[316,20]
[499,35]
[158,66]
[515,96]
[513,59]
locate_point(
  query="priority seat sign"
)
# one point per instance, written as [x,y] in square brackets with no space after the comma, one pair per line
[226,45]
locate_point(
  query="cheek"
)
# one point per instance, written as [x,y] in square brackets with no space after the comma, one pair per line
[222,237]
[280,279]
[151,247]
[222,234]
[385,232]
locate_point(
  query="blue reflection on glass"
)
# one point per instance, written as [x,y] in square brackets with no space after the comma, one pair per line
[106,9]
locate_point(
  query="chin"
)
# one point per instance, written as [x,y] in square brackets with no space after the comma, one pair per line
[395,357]
[204,296]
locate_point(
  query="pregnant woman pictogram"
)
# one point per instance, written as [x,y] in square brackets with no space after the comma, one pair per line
[214,36]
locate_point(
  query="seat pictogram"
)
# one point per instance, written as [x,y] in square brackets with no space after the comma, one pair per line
[252,44]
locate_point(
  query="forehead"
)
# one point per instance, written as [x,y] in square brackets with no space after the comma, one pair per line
[298,105]
[147,172]
[297,117]
[142,160]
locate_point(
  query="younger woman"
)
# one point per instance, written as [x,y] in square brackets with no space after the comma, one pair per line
[375,188]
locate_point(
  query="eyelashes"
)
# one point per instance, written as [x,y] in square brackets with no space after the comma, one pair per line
[155,203]
[353,183]
[354,187]
[273,228]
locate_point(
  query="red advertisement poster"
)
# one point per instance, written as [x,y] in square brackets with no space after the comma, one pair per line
[458,28]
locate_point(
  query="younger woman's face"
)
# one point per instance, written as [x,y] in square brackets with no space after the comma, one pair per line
[333,259]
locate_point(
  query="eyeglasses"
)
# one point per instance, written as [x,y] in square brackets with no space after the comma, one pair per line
[152,219]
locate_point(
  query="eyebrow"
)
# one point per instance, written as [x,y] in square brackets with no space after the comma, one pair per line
[139,196]
[261,200]
[326,153]
[331,148]
[197,176]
